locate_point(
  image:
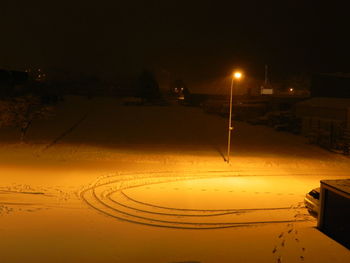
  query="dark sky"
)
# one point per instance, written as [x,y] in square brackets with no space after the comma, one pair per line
[186,38]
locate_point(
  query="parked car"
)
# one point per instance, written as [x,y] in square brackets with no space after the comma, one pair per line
[312,201]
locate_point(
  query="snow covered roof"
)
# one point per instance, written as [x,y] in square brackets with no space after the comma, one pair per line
[342,185]
[327,102]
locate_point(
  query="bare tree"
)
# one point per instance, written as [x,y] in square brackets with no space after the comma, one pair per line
[20,112]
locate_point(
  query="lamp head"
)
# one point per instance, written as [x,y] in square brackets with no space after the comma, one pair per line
[237,75]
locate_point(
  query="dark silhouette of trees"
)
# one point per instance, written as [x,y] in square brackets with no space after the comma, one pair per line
[147,87]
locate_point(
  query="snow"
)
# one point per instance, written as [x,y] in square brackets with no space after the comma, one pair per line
[104,182]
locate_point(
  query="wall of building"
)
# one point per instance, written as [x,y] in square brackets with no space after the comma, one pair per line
[334,215]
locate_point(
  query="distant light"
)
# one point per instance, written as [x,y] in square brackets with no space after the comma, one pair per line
[237,75]
[291,89]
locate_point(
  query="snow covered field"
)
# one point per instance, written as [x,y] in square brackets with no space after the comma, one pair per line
[103,182]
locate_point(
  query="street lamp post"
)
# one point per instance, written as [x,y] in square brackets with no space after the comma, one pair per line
[237,75]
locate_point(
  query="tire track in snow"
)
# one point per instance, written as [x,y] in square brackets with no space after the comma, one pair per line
[99,196]
[228,211]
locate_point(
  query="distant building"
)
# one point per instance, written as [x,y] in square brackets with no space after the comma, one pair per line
[266,89]
[334,215]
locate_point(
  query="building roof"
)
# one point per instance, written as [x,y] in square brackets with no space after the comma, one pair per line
[342,185]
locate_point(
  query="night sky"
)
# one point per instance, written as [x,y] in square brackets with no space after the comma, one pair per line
[192,39]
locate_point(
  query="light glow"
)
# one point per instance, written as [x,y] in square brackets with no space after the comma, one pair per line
[237,75]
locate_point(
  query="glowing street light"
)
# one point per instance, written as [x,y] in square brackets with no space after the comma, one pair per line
[235,76]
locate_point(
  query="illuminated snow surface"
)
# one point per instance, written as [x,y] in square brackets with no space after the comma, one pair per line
[103,182]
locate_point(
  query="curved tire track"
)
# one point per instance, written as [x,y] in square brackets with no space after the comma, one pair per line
[101,197]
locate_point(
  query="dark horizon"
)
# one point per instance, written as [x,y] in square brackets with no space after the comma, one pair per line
[192,41]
